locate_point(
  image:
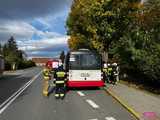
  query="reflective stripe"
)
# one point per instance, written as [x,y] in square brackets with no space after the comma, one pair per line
[60,74]
[46,74]
[61,95]
[110,69]
[59,81]
[46,77]
[45,70]
[56,95]
[104,70]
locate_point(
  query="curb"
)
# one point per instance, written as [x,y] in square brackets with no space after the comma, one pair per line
[123,103]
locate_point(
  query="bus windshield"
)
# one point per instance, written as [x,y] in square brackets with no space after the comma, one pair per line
[85,61]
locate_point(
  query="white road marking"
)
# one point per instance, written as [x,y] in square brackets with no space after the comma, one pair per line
[93,119]
[110,118]
[93,104]
[80,93]
[20,76]
[16,94]
[12,95]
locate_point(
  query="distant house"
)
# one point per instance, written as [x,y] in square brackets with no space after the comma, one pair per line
[41,61]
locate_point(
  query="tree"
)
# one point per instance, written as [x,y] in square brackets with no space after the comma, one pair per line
[126,28]
[62,56]
[15,58]
[99,23]
[75,43]
[140,47]
[1,49]
[11,53]
[76,26]
[12,45]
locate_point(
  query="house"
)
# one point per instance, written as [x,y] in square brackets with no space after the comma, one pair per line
[41,61]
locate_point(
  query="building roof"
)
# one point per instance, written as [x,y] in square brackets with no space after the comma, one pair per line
[41,60]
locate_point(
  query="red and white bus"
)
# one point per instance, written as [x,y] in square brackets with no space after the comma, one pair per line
[84,69]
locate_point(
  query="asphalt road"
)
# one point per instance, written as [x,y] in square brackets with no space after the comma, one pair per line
[10,82]
[93,104]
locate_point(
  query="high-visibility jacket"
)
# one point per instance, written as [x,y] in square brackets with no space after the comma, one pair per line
[105,70]
[60,77]
[46,74]
[110,70]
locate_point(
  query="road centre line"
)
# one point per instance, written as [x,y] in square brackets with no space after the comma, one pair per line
[93,104]
[13,95]
[80,93]
[1,110]
[16,94]
[110,118]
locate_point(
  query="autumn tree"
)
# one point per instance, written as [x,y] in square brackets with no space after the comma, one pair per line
[127,29]
[97,24]
[140,47]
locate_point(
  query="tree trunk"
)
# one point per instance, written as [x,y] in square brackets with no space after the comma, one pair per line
[105,56]
[13,66]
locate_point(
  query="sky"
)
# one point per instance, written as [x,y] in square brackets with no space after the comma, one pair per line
[38,26]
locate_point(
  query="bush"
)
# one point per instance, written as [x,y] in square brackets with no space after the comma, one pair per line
[26,64]
[7,66]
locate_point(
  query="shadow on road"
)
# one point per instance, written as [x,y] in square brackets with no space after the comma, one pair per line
[8,77]
[84,88]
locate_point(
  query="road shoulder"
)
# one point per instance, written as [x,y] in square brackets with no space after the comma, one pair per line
[137,102]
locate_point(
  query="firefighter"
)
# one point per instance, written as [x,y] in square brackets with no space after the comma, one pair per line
[110,73]
[115,73]
[105,69]
[46,77]
[60,81]
[53,65]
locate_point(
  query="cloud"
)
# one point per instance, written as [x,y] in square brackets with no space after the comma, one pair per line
[23,31]
[21,18]
[44,47]
[37,25]
[34,41]
[26,9]
[44,44]
[20,30]
[44,54]
[52,23]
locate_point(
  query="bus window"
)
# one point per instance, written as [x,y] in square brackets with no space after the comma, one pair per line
[74,62]
[85,61]
[90,61]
